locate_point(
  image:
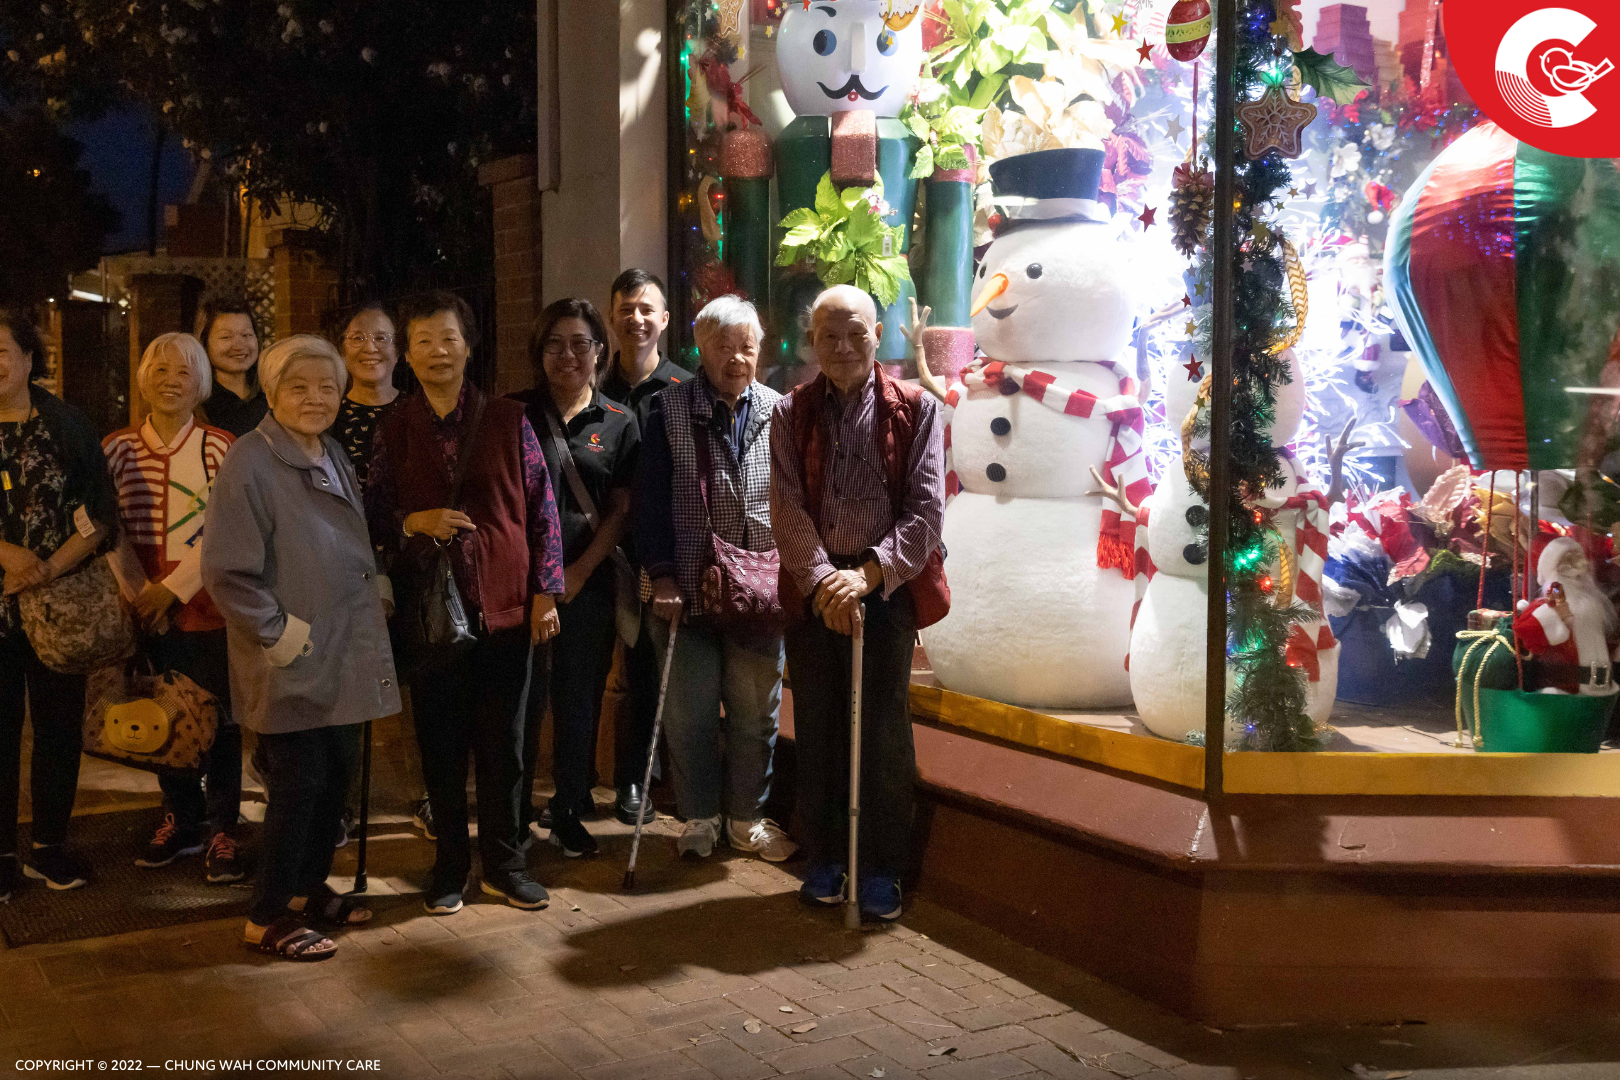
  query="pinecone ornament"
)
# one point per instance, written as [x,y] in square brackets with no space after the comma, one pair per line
[1192,206]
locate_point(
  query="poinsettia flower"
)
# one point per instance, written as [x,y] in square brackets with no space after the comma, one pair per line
[1090,65]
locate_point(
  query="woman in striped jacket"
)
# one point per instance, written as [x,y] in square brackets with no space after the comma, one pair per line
[163,470]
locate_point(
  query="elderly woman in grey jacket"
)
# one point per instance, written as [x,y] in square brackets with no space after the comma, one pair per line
[290,564]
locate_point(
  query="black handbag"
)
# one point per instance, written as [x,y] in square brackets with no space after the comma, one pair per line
[437,628]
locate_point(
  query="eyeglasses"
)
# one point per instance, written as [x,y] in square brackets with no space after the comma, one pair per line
[358,339]
[579,346]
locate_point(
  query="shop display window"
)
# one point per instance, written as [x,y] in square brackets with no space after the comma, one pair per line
[1376,387]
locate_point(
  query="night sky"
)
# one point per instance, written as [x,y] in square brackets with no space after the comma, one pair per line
[118,154]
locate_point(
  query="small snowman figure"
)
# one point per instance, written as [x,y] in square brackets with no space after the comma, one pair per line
[1041,566]
[1170,625]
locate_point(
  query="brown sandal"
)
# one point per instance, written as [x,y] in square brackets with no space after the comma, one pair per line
[290,939]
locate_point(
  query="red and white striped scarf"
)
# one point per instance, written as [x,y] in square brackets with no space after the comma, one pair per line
[1126,465]
[1305,640]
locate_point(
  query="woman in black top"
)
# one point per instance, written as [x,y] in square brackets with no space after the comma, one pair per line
[57,509]
[370,352]
[599,438]
[225,327]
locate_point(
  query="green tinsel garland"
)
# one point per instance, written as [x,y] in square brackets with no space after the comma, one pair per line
[1267,697]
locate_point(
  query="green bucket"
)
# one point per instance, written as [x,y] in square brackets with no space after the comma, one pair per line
[1515,722]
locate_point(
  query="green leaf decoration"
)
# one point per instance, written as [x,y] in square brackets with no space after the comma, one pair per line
[845,237]
[827,196]
[924,166]
[951,158]
[1328,77]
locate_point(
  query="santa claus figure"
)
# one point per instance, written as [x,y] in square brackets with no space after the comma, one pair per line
[1571,630]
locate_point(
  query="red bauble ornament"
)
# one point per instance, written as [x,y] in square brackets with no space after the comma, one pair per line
[1186,30]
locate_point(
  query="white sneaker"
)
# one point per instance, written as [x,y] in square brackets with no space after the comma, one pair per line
[764,838]
[699,837]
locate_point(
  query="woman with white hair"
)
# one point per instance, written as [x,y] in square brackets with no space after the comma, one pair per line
[163,468]
[705,473]
[289,562]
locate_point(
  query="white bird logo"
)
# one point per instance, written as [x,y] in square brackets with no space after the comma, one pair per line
[1567,75]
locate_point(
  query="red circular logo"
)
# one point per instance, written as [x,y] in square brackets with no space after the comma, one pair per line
[1546,73]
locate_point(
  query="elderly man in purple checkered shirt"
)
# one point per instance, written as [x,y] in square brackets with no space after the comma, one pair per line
[857,494]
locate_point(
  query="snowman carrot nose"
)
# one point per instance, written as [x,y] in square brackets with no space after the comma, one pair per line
[999,283]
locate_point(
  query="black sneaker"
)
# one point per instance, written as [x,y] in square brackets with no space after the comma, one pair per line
[56,868]
[171,842]
[628,804]
[572,837]
[10,876]
[442,899]
[587,809]
[517,888]
[422,814]
[224,864]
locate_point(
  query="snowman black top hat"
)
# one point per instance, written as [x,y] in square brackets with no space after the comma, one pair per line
[1049,185]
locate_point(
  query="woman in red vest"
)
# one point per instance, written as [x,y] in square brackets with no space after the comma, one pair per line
[505,545]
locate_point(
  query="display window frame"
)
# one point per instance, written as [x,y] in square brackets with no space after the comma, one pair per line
[1213,768]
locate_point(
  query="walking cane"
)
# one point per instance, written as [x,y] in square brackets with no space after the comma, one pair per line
[647,810]
[857,646]
[365,810]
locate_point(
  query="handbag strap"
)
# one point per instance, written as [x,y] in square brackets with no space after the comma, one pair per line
[565,458]
[464,456]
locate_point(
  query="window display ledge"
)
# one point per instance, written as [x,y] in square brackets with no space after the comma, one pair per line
[1096,741]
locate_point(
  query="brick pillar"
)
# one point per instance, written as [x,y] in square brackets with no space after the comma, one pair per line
[306,284]
[158,304]
[517,266]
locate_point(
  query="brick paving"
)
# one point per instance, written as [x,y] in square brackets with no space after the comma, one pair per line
[710,969]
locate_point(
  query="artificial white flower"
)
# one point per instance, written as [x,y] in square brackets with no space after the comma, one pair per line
[1380,136]
[1346,160]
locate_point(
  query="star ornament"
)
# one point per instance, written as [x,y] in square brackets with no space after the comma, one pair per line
[1275,122]
[1195,369]
[1145,51]
[1146,217]
[1174,128]
[1119,25]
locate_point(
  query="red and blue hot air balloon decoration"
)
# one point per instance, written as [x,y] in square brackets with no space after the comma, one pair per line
[1503,266]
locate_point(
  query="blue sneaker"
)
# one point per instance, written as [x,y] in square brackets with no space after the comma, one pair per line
[823,885]
[880,898]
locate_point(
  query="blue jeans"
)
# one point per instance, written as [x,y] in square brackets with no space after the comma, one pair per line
[708,752]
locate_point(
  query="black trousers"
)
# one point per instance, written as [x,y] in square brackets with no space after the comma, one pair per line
[308,776]
[573,678]
[642,670]
[478,706]
[819,665]
[55,704]
[202,657]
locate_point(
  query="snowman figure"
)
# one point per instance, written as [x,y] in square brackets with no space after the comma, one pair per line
[1042,566]
[1169,627]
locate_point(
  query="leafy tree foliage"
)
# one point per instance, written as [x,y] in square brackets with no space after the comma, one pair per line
[51,223]
[377,113]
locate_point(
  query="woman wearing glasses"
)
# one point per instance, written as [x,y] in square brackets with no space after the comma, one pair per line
[370,355]
[591,445]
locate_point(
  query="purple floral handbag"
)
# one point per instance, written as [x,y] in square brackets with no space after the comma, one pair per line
[739,586]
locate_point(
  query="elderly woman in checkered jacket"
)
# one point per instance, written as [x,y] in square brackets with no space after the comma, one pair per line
[705,472]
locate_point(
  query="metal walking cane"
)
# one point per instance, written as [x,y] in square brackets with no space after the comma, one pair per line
[360,883]
[857,646]
[652,755]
